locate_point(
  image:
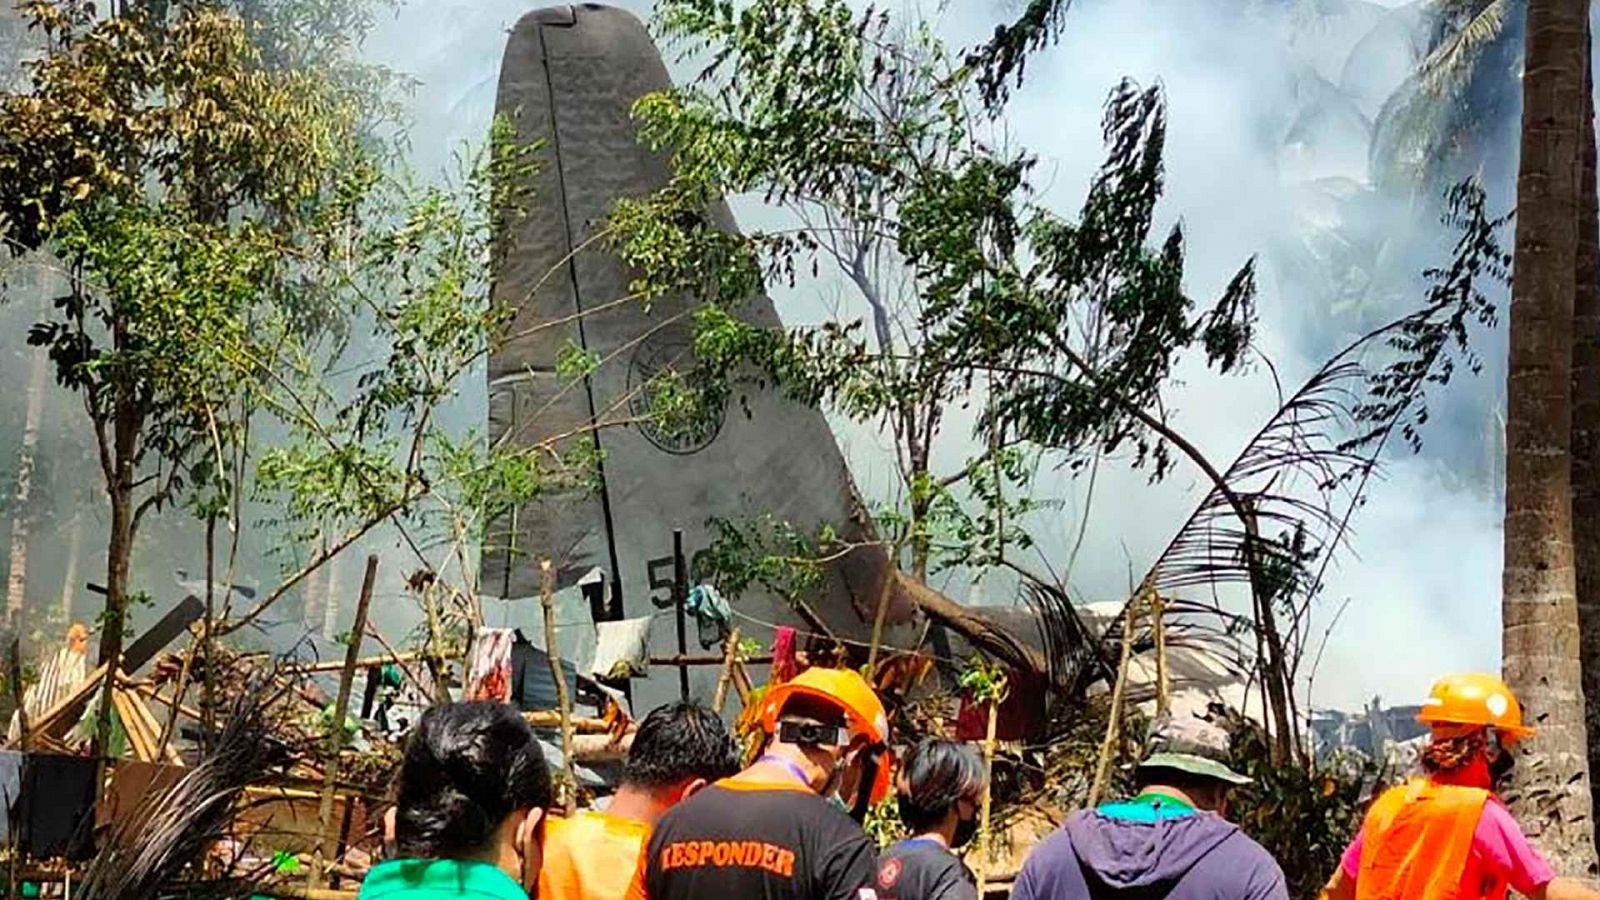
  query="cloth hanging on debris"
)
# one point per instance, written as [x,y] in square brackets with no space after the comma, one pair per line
[489,669]
[56,809]
[785,665]
[532,687]
[10,789]
[711,613]
[622,649]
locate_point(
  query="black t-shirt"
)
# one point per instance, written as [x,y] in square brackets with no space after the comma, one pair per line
[743,839]
[924,870]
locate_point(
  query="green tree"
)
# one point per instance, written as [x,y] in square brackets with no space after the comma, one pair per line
[241,264]
[1061,334]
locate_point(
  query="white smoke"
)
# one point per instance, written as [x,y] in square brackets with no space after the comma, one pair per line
[1264,100]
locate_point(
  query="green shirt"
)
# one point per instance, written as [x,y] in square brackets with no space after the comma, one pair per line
[438,879]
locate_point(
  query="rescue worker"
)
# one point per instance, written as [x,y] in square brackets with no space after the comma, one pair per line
[1170,841]
[470,800]
[780,829]
[940,790]
[1445,834]
[677,750]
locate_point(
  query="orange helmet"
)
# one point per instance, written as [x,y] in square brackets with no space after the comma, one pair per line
[845,688]
[865,716]
[1475,699]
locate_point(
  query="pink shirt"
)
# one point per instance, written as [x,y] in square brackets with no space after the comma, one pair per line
[1500,855]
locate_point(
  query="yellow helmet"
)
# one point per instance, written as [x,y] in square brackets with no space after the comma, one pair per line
[1475,698]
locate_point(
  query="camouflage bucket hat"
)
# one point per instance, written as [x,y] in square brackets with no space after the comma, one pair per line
[1192,745]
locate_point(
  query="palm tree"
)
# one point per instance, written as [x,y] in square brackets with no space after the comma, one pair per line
[1441,125]
[1586,422]
[1540,634]
[17,568]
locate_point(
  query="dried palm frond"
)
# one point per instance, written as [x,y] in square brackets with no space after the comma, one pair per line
[1071,652]
[156,852]
[1305,472]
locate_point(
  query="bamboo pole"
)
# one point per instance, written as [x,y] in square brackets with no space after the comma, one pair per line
[1108,748]
[1159,626]
[730,656]
[547,590]
[183,685]
[551,718]
[327,845]
[718,660]
[890,574]
[741,682]
[367,662]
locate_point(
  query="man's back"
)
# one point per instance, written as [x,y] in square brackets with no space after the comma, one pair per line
[749,839]
[1129,856]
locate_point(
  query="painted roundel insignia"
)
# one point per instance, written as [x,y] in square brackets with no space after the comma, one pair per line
[889,873]
[665,352]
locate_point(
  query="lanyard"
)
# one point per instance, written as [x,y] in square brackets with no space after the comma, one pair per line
[794,769]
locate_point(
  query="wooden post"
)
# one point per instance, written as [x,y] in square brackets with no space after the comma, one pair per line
[988,790]
[1108,749]
[730,655]
[547,590]
[680,597]
[328,839]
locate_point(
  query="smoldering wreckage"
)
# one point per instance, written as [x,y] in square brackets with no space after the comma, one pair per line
[272,771]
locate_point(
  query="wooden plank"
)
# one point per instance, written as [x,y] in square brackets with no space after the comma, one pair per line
[132,727]
[163,747]
[153,694]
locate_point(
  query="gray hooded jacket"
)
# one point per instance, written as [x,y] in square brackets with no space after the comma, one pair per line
[1193,857]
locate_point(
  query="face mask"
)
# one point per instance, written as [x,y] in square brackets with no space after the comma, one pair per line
[966,830]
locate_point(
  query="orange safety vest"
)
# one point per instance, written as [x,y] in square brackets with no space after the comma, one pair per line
[591,856]
[1418,841]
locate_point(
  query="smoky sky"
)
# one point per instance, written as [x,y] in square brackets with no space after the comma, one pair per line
[1271,108]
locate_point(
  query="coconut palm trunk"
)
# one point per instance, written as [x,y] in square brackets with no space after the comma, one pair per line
[1586,422]
[1539,603]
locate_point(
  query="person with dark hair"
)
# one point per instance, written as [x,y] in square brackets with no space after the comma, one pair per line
[1169,841]
[940,789]
[469,802]
[1446,834]
[776,830]
[677,750]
